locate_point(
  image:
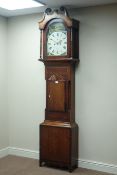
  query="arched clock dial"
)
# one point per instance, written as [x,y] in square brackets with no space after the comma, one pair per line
[57,39]
[57,43]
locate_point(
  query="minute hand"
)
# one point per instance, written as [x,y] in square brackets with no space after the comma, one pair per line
[53,39]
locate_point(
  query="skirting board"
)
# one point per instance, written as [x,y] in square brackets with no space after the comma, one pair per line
[4,152]
[98,166]
[24,153]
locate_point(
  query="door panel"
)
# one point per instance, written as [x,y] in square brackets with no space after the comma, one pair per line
[56,96]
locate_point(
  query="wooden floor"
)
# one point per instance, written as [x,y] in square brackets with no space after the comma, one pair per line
[13,165]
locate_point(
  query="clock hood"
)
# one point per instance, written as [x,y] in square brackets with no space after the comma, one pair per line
[50,14]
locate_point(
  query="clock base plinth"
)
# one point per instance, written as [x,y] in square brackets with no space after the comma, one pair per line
[60,165]
[59,145]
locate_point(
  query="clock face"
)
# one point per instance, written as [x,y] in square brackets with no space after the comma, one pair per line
[57,40]
[57,43]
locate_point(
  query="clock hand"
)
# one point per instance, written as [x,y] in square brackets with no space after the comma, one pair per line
[59,42]
[53,40]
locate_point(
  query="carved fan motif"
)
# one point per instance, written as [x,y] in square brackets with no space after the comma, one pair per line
[55,76]
[52,78]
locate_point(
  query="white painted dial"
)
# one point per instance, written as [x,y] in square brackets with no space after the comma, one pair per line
[57,44]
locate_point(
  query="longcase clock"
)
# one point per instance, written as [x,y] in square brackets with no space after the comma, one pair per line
[59,53]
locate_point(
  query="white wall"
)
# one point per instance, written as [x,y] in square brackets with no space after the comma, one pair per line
[96,83]
[3,84]
[26,82]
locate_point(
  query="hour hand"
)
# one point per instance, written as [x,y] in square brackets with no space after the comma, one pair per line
[53,40]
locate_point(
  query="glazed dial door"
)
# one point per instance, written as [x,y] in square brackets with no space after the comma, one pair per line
[57,40]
